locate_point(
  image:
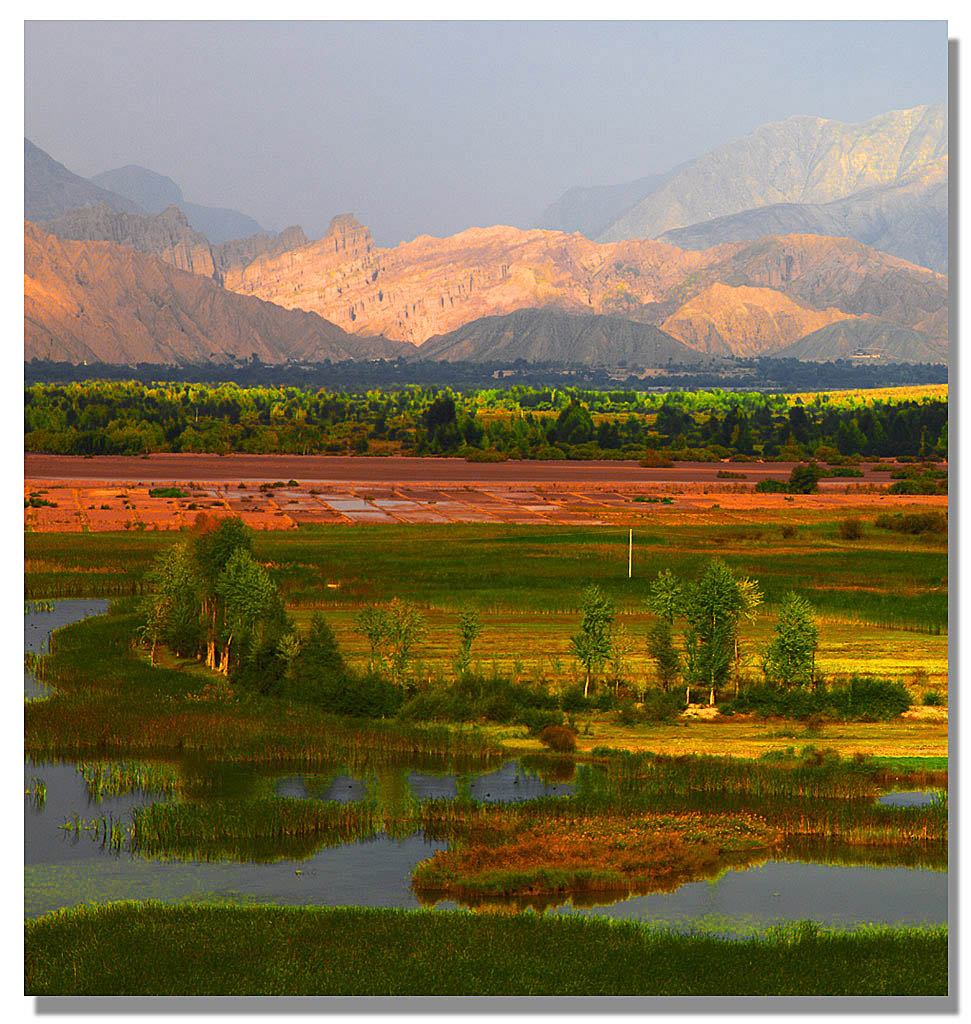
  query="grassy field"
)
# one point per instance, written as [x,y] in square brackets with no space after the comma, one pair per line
[351,951]
[907,393]
[882,601]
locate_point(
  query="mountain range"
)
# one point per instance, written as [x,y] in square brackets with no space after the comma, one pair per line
[882,182]
[102,302]
[118,268]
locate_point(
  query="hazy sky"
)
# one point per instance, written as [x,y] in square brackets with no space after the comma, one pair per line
[432,127]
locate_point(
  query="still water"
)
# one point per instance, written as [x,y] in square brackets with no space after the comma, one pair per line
[66,869]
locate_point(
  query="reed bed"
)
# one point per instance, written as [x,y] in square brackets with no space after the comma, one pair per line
[36,792]
[114,834]
[260,830]
[109,779]
[218,950]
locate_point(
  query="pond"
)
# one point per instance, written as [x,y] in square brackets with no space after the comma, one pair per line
[68,867]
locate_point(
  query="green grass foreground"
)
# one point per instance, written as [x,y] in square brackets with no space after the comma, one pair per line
[154,949]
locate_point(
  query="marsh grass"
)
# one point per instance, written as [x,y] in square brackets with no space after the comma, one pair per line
[880,580]
[36,792]
[606,853]
[703,804]
[251,830]
[214,950]
[109,703]
[107,779]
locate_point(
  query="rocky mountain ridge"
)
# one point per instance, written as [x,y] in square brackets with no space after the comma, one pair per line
[735,298]
[798,160]
[549,335]
[169,236]
[104,302]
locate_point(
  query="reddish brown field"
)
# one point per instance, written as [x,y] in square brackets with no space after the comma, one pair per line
[112,492]
[169,467]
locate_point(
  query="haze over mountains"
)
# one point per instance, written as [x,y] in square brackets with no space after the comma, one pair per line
[890,172]
[808,238]
[155,192]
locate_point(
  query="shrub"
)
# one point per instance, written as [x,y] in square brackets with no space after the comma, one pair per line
[548,452]
[851,529]
[772,486]
[788,531]
[488,455]
[499,707]
[727,474]
[804,479]
[861,699]
[932,699]
[655,460]
[868,699]
[604,700]
[560,738]
[659,706]
[427,707]
[912,522]
[536,720]
[573,699]
[627,715]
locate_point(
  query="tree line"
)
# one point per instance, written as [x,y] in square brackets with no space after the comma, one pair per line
[128,418]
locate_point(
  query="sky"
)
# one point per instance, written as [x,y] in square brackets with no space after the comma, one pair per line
[431,127]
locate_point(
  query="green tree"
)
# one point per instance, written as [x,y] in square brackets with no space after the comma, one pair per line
[712,605]
[252,608]
[372,623]
[666,596]
[621,647]
[211,550]
[317,665]
[573,425]
[752,600]
[660,646]
[171,608]
[791,657]
[591,645]
[406,628]
[469,629]
[393,632]
[804,479]
[665,599]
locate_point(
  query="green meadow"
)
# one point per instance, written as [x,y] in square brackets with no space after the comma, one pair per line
[195,950]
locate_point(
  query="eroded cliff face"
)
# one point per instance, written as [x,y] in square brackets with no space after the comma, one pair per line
[100,301]
[167,235]
[823,273]
[170,237]
[433,286]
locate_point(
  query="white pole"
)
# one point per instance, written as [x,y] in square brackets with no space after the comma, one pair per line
[630,553]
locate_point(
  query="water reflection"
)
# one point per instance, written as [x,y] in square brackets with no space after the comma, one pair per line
[909,798]
[38,626]
[64,870]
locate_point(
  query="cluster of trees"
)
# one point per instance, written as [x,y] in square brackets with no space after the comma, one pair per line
[209,598]
[127,418]
[709,611]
